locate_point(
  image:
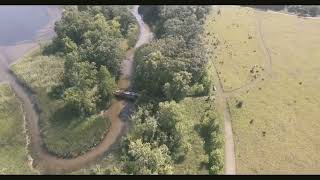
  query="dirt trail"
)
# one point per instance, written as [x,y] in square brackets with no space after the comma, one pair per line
[222,100]
[49,164]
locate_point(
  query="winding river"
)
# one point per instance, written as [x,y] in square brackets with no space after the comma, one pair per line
[118,112]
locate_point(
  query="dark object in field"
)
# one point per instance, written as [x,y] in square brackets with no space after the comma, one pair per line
[254,51]
[263,133]
[251,121]
[214,88]
[294,101]
[239,104]
[126,94]
[262,79]
[300,83]
[249,36]
[259,88]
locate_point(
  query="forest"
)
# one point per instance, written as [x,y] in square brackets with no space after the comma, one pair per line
[167,70]
[174,117]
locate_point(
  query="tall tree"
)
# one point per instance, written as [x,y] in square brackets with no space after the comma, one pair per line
[173,128]
[147,159]
[106,86]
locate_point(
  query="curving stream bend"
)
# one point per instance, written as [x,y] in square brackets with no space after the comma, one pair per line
[118,112]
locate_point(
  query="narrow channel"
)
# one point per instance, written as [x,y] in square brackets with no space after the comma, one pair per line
[47,163]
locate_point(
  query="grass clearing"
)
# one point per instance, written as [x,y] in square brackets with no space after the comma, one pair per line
[13,152]
[277,129]
[196,160]
[63,134]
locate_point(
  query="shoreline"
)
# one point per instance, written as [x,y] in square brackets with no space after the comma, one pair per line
[46,163]
[13,53]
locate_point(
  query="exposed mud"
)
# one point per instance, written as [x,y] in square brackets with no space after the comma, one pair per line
[118,112]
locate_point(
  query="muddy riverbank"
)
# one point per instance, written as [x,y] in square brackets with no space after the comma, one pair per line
[118,112]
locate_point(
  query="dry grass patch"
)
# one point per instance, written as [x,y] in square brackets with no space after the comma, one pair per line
[277,129]
[232,38]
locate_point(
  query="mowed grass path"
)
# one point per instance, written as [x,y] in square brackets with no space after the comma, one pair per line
[13,152]
[277,130]
[63,134]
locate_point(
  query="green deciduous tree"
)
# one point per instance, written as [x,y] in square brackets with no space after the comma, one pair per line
[145,125]
[80,85]
[178,88]
[168,67]
[145,158]
[211,133]
[172,126]
[106,86]
[216,162]
[91,39]
[80,101]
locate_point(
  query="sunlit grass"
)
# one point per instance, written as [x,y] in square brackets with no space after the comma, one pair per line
[232,37]
[63,133]
[277,130]
[13,151]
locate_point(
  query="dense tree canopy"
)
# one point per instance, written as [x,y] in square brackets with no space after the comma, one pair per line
[173,66]
[213,143]
[145,158]
[93,41]
[166,127]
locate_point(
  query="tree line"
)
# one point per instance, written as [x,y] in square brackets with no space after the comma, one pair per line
[301,10]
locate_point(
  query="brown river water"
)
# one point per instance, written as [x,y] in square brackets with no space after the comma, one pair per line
[118,112]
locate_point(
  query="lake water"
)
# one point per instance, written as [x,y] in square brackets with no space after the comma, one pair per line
[21,23]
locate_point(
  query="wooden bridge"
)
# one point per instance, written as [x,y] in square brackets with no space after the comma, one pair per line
[126,94]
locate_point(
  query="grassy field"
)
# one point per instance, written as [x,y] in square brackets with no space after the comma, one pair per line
[277,130]
[234,56]
[13,152]
[63,134]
